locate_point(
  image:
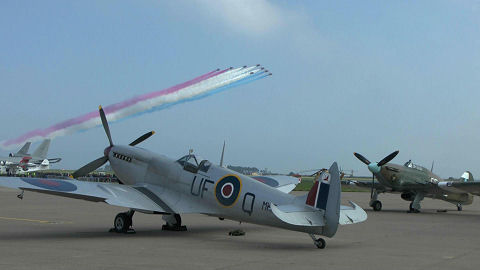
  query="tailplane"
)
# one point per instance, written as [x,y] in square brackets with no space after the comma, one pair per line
[321,207]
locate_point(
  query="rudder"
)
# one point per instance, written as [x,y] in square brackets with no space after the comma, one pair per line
[325,195]
[42,150]
[24,150]
[467,177]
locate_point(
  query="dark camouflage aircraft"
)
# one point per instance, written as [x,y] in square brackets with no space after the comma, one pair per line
[415,182]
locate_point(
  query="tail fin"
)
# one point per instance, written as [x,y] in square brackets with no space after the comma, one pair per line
[24,150]
[325,195]
[467,177]
[42,150]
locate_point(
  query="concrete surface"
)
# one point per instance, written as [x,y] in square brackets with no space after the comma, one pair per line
[47,232]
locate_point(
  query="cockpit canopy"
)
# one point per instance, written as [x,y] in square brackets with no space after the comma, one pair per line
[410,164]
[194,163]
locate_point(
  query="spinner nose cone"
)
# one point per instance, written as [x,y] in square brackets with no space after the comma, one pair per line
[374,168]
[106,152]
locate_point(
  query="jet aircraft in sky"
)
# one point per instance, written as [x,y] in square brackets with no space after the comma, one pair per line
[415,182]
[155,184]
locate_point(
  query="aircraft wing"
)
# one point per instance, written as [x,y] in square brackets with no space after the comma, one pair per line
[461,187]
[11,160]
[368,185]
[114,194]
[283,183]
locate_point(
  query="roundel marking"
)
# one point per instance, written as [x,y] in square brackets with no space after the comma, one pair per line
[227,190]
[50,184]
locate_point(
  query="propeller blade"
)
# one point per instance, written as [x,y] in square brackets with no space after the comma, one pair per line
[142,138]
[105,124]
[387,158]
[362,158]
[373,186]
[90,167]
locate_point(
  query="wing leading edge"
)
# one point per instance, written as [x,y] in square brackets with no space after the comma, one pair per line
[460,187]
[140,198]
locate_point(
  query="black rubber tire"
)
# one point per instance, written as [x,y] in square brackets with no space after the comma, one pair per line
[178,219]
[122,223]
[320,243]
[377,205]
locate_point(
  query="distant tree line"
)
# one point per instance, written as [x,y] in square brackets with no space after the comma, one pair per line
[244,170]
[250,170]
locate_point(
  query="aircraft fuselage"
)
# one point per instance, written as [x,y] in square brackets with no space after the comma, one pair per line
[405,180]
[207,189]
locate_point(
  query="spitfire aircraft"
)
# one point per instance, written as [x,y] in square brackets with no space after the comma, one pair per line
[415,182]
[22,161]
[155,184]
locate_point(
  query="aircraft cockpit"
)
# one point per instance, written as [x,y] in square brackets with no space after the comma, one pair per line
[410,164]
[194,163]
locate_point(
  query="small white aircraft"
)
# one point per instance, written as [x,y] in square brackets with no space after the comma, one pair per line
[154,184]
[23,162]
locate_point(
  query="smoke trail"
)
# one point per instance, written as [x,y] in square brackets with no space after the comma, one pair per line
[200,87]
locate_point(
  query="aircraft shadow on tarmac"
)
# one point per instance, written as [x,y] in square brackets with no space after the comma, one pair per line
[428,211]
[201,233]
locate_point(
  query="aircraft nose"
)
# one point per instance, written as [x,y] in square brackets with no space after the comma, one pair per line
[373,167]
[107,151]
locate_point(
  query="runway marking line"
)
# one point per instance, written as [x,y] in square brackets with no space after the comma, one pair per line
[36,220]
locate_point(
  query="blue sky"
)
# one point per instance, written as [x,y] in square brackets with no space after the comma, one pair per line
[365,76]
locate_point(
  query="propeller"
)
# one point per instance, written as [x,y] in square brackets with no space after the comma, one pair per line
[90,167]
[362,158]
[388,158]
[375,167]
[97,163]
[142,138]
[105,124]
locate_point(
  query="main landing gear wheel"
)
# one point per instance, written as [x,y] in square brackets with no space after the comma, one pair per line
[412,210]
[123,223]
[174,223]
[377,205]
[459,207]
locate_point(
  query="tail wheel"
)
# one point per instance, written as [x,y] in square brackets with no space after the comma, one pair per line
[320,243]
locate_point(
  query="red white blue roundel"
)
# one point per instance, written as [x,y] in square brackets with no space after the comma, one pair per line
[228,189]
